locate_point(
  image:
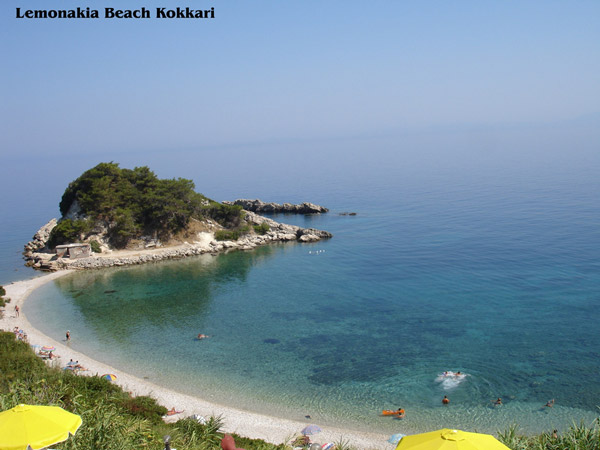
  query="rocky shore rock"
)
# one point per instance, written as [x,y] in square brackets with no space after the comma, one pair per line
[259,206]
[40,238]
[278,232]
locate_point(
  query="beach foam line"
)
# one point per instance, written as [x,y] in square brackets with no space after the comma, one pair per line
[275,430]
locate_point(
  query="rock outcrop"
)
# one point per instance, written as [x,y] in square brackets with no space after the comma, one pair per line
[284,232]
[259,206]
[40,238]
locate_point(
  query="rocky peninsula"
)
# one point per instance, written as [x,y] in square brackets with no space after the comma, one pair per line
[114,217]
[39,256]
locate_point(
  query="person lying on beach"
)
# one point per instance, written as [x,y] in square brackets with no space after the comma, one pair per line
[172,411]
[48,355]
[74,366]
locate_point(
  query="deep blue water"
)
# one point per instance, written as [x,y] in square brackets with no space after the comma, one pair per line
[483,260]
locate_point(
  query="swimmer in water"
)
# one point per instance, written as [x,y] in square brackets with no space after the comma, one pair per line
[498,402]
[550,403]
[202,336]
[445,400]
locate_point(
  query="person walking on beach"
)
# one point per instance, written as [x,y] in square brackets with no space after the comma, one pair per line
[68,335]
[445,400]
[16,310]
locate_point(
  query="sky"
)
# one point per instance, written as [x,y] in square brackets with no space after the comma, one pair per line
[268,71]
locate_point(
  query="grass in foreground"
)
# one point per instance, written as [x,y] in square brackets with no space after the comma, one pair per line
[577,437]
[112,419]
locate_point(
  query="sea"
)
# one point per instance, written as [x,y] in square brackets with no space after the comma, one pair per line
[473,251]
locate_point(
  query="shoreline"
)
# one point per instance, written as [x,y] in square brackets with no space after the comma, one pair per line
[253,425]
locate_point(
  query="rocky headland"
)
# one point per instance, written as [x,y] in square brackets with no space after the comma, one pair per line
[112,216]
[39,256]
[259,206]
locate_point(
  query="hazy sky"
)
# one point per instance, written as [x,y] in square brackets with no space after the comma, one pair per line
[264,71]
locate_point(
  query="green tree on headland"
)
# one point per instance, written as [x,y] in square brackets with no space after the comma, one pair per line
[131,203]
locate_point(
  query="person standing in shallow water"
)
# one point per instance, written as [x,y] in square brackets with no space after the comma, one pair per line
[68,335]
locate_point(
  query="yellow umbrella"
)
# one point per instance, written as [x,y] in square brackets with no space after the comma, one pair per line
[446,439]
[35,426]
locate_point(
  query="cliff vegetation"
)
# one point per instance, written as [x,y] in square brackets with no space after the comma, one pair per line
[123,204]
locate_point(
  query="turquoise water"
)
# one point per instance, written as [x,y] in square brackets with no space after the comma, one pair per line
[493,272]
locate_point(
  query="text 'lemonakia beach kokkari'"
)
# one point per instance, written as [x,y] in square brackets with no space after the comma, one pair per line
[115,13]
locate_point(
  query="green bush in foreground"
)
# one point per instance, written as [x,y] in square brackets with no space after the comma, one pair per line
[577,437]
[17,362]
